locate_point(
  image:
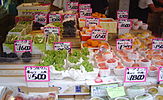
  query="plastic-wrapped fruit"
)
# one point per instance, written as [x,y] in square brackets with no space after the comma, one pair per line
[19,98]
[39,39]
[11,38]
[52,38]
[26,57]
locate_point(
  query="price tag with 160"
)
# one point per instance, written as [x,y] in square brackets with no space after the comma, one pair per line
[135,74]
[122,14]
[157,44]
[124,43]
[62,46]
[52,30]
[37,73]
[99,34]
[23,45]
[54,18]
[124,24]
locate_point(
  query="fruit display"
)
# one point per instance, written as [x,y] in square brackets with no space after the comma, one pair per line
[98,15]
[94,43]
[39,39]
[10,38]
[26,37]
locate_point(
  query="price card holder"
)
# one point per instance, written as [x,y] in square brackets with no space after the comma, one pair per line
[72,6]
[99,34]
[70,16]
[157,44]
[62,46]
[135,74]
[122,14]
[37,73]
[124,24]
[84,6]
[85,12]
[41,18]
[55,18]
[160,74]
[52,30]
[92,21]
[22,46]
[123,43]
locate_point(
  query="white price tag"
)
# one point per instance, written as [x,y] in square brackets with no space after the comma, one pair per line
[41,18]
[92,21]
[84,6]
[124,24]
[52,30]
[135,74]
[23,45]
[55,18]
[123,43]
[160,74]
[70,16]
[37,73]
[99,34]
[85,12]
[72,6]
[122,14]
[157,44]
[62,46]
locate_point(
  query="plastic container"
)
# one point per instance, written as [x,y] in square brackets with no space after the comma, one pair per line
[145,96]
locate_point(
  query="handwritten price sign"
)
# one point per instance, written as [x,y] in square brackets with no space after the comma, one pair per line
[99,34]
[92,21]
[70,16]
[157,44]
[72,6]
[135,74]
[160,74]
[52,30]
[84,6]
[85,12]
[124,24]
[62,46]
[23,45]
[122,14]
[124,43]
[41,18]
[55,18]
[37,73]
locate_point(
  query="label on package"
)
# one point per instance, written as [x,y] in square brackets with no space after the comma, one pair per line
[72,6]
[122,14]
[135,74]
[157,44]
[55,18]
[37,73]
[62,46]
[92,21]
[124,24]
[99,34]
[85,12]
[52,30]
[124,43]
[23,45]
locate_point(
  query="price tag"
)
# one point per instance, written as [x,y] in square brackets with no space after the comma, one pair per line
[70,16]
[62,46]
[41,18]
[52,30]
[92,21]
[157,44]
[55,18]
[124,43]
[124,24]
[99,34]
[160,74]
[72,6]
[84,6]
[116,92]
[135,74]
[86,12]
[37,73]
[122,14]
[23,45]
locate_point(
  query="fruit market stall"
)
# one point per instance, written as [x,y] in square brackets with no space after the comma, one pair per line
[83,54]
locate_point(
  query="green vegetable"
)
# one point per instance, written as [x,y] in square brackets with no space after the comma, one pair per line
[58,67]
[88,67]
[85,51]
[73,59]
[76,67]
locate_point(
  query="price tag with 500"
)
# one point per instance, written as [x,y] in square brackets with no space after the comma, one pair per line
[52,30]
[157,44]
[85,12]
[99,34]
[124,24]
[41,18]
[135,74]
[55,18]
[122,14]
[62,46]
[37,73]
[124,43]
[72,6]
[23,45]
